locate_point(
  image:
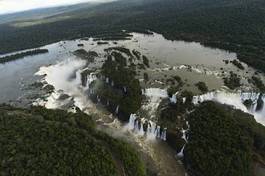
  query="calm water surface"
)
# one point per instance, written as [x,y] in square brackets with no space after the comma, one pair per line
[17,76]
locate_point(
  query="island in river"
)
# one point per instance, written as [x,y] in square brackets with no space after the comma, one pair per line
[148,91]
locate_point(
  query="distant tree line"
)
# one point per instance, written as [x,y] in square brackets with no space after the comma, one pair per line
[235,25]
[22,55]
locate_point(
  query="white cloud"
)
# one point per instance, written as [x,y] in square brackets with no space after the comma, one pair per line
[10,6]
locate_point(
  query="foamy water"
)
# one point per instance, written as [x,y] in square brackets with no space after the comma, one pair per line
[66,78]
[154,97]
[236,100]
[153,131]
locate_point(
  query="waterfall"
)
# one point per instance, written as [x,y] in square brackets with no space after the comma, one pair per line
[181,154]
[125,89]
[117,109]
[98,99]
[91,91]
[146,127]
[184,100]
[204,97]
[157,131]
[237,101]
[260,103]
[164,134]
[78,76]
[107,80]
[154,96]
[184,136]
[173,99]
[90,78]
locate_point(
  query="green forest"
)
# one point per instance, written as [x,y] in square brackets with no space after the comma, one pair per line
[122,92]
[223,141]
[38,141]
[21,55]
[234,25]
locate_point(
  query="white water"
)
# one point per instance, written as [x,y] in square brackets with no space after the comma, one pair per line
[90,78]
[154,97]
[184,136]
[61,77]
[117,109]
[236,100]
[153,131]
[181,154]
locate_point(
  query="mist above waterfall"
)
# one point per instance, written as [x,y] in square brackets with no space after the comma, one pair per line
[62,75]
[65,77]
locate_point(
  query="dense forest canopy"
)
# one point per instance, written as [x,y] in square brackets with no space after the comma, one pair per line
[22,55]
[234,25]
[222,141]
[53,142]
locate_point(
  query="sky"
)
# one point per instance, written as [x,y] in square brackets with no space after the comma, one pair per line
[11,6]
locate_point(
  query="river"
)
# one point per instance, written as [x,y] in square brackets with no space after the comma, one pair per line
[61,69]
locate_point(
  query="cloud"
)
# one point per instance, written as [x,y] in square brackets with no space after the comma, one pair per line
[10,6]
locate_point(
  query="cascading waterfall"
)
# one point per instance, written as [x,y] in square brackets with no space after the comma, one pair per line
[237,100]
[184,136]
[90,78]
[125,89]
[117,109]
[107,80]
[85,80]
[146,127]
[173,99]
[78,76]
[66,78]
[98,99]
[154,97]
[181,154]
[91,91]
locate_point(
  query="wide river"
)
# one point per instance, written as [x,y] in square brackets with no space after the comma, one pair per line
[17,76]
[61,68]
